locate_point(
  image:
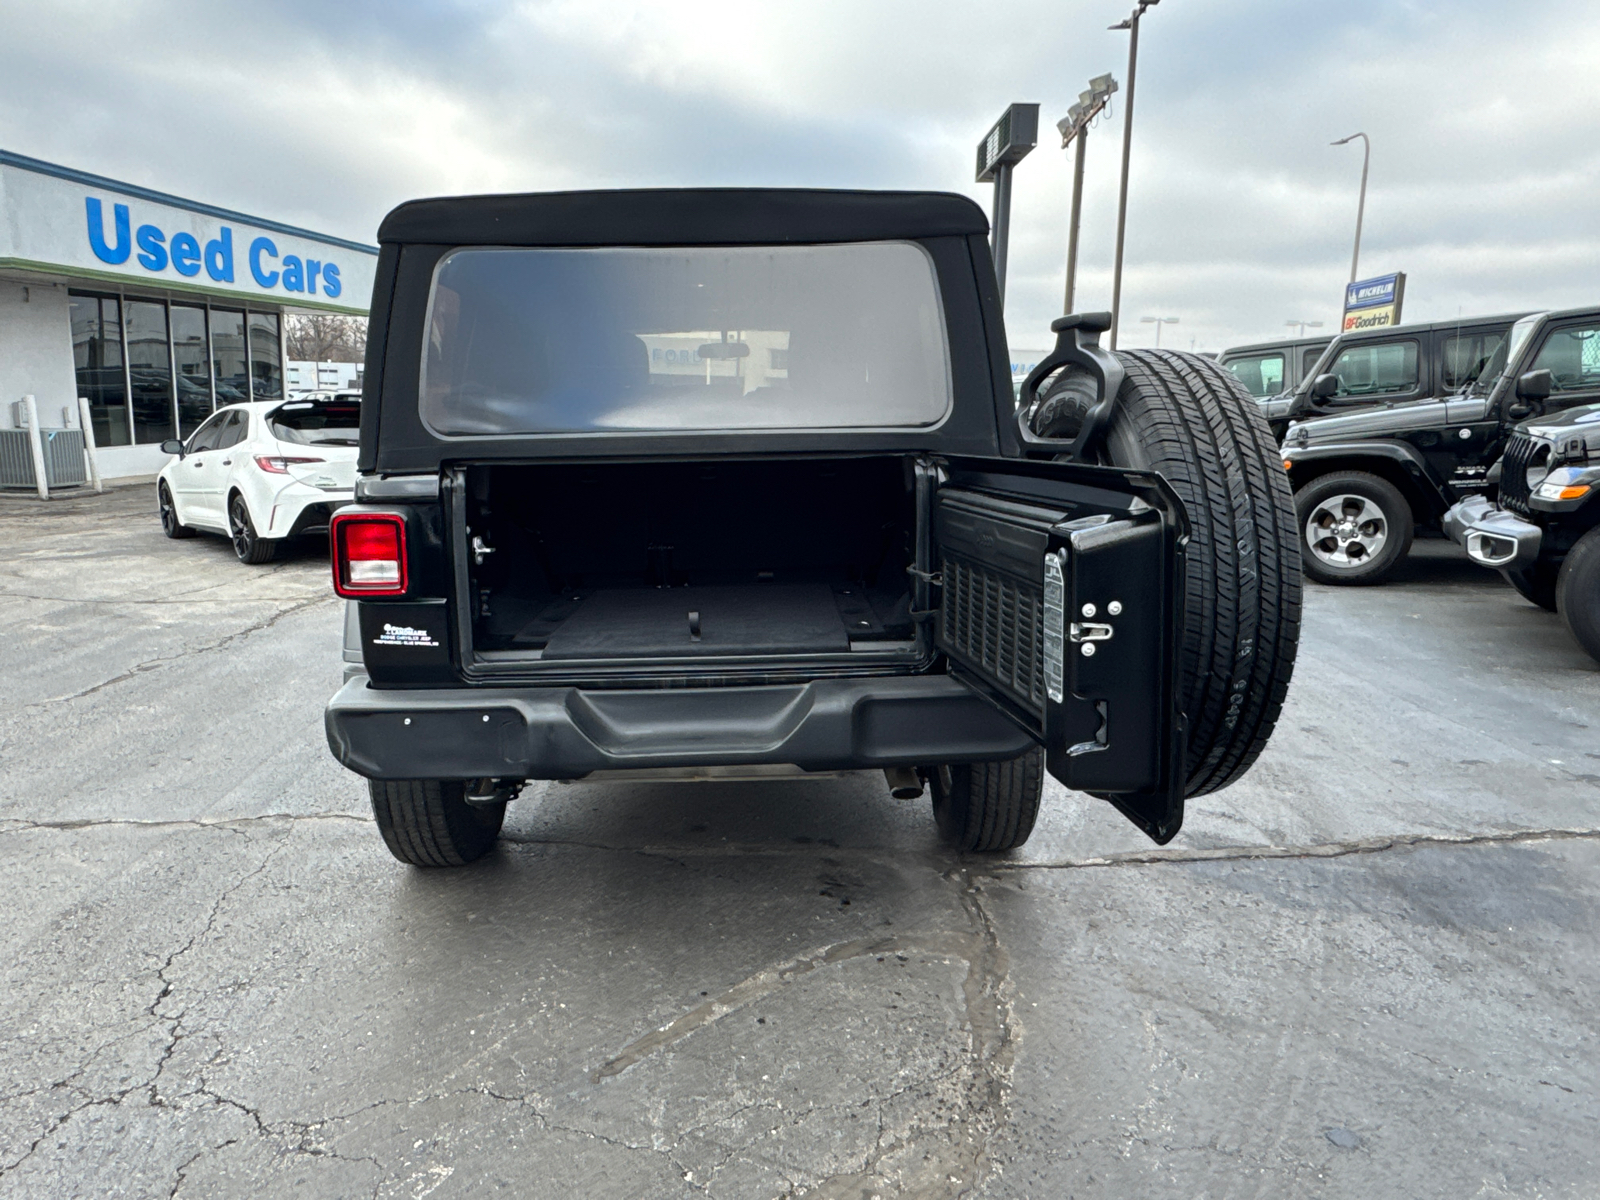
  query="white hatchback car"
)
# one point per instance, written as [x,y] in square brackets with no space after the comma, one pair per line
[262,472]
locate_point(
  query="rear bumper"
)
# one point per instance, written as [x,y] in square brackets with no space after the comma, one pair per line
[1493,537]
[565,733]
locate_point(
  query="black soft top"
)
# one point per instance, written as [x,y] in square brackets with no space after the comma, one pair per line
[681,217]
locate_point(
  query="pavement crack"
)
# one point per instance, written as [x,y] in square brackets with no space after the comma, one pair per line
[763,983]
[163,660]
[18,825]
[1374,845]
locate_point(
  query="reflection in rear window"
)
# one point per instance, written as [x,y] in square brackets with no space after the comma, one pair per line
[317,423]
[701,338]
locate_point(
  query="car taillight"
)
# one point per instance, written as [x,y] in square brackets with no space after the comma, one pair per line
[274,465]
[369,554]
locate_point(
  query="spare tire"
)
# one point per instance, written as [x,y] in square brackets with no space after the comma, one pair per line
[1191,421]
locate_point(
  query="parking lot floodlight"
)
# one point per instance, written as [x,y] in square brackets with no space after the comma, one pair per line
[1158,322]
[1075,126]
[1132,25]
[1361,204]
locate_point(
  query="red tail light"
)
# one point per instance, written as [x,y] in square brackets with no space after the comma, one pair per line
[369,554]
[276,465]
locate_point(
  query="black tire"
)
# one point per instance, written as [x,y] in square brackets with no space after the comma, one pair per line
[247,545]
[1578,592]
[985,807]
[170,525]
[1192,421]
[1536,585]
[428,822]
[1342,539]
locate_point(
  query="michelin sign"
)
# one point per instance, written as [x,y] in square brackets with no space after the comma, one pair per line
[1374,303]
[57,221]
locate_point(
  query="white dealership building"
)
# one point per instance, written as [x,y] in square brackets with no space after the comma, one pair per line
[155,309]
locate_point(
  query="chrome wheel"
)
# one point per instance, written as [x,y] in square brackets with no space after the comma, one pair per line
[1346,531]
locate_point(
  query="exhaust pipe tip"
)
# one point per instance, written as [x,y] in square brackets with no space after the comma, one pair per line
[904,782]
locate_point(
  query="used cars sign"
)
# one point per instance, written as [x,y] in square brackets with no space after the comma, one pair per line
[62,221]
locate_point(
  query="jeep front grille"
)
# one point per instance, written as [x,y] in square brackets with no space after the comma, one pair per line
[1514,463]
[994,625]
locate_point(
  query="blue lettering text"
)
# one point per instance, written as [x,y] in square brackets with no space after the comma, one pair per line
[152,251]
[293,275]
[185,254]
[312,267]
[257,248]
[331,286]
[219,256]
[97,232]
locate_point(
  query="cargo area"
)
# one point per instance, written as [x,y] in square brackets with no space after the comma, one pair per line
[617,562]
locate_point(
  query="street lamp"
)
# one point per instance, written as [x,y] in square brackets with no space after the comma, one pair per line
[1005,145]
[1304,325]
[1132,25]
[1158,322]
[1361,205]
[1075,125]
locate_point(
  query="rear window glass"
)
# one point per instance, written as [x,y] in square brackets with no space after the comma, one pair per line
[317,423]
[1261,374]
[701,338]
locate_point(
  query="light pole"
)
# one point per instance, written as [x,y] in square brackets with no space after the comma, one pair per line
[1005,145]
[1158,322]
[1075,125]
[1132,25]
[1361,205]
[1304,325]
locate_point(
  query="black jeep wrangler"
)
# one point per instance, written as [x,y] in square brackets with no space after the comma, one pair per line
[733,482]
[1542,531]
[1366,480]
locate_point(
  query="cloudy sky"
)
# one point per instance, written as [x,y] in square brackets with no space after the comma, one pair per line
[1483,116]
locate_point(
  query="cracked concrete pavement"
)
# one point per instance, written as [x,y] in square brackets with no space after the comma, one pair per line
[1368,969]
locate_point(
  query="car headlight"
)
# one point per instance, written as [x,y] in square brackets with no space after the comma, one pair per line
[1567,483]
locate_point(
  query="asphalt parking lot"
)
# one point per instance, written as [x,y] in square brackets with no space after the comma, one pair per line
[1368,970]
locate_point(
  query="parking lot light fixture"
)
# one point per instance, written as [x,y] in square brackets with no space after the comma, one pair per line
[1005,145]
[1361,204]
[1074,127]
[1303,326]
[1132,25]
[1158,322]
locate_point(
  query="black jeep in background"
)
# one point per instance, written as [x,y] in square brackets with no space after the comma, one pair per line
[1542,529]
[1374,454]
[1270,369]
[733,482]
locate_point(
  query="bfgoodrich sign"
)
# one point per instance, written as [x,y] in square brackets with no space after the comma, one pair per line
[55,220]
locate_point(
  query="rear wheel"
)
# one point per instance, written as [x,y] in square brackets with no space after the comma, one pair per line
[249,547]
[1355,527]
[428,822]
[1192,421]
[988,806]
[1537,585]
[170,525]
[1578,592]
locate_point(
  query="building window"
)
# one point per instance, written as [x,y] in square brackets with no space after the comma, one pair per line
[266,357]
[189,357]
[97,355]
[230,368]
[149,370]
